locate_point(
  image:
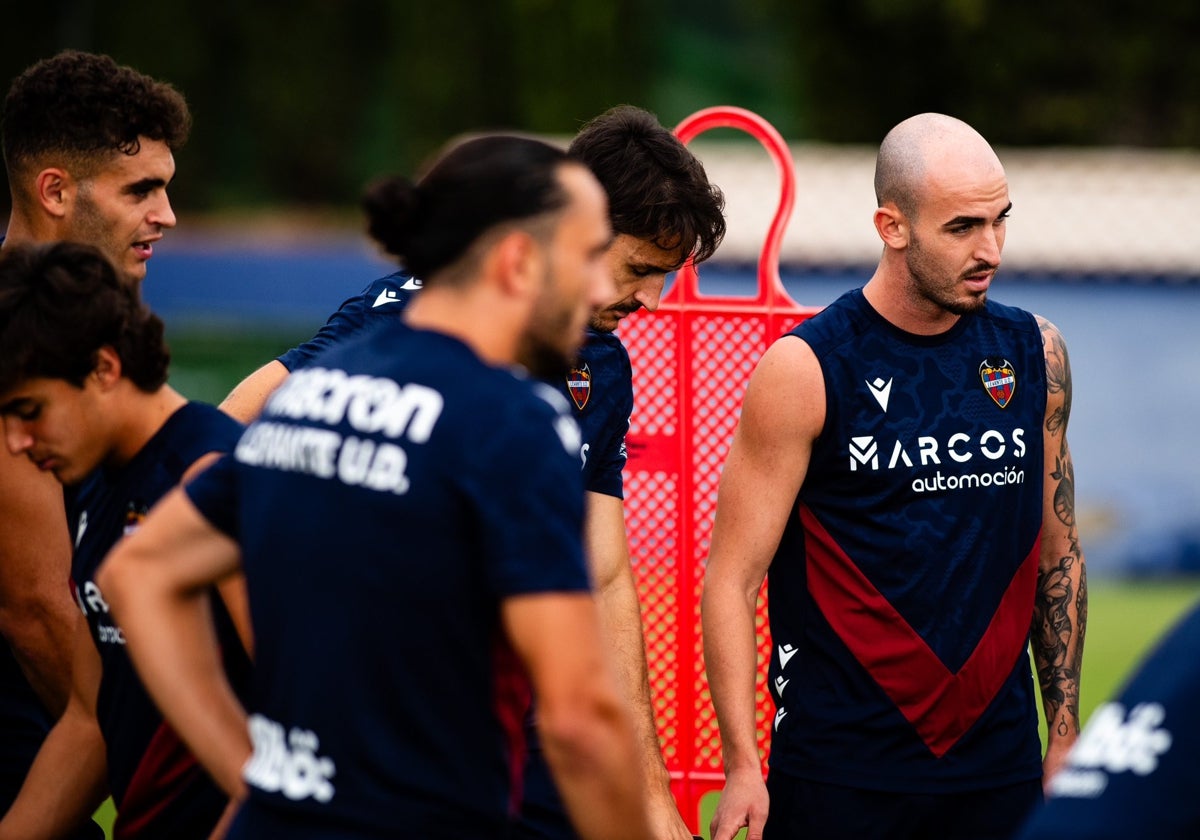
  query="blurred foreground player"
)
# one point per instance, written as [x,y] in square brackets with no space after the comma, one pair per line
[83,396]
[404,514]
[1133,772]
[662,209]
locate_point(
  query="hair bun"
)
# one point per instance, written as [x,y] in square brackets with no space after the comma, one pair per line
[393,208]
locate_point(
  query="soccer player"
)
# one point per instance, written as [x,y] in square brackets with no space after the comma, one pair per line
[83,398]
[1133,772]
[88,149]
[663,210]
[901,468]
[408,514]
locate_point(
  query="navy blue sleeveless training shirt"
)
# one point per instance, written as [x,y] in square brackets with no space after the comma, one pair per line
[902,591]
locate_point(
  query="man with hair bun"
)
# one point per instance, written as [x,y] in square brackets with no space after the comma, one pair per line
[662,209]
[88,148]
[408,515]
[83,397]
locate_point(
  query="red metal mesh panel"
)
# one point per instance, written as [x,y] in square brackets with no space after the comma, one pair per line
[691,362]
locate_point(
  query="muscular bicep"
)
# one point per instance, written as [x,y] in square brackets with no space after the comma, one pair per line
[1060,540]
[604,539]
[36,610]
[557,637]
[782,413]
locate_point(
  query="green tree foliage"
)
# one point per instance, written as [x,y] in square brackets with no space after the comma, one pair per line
[1067,72]
[304,101]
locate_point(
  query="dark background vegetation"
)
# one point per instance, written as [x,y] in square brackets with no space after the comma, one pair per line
[301,102]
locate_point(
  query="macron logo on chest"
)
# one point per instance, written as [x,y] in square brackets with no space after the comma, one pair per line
[880,390]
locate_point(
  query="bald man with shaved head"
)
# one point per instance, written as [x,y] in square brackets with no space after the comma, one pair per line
[901,477]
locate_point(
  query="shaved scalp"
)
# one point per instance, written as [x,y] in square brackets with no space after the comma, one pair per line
[919,146]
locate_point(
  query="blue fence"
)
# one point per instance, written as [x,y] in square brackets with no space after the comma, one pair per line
[1135,355]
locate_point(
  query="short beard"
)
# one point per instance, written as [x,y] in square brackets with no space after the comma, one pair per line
[542,360]
[928,290]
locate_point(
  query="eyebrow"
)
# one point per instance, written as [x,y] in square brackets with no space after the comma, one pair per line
[652,268]
[144,185]
[974,220]
[15,405]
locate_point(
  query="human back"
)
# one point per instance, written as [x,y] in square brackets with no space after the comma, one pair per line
[369,481]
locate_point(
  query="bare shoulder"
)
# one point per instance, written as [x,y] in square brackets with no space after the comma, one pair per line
[1052,337]
[29,498]
[785,398]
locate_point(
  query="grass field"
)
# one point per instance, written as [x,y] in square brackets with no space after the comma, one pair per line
[1125,618]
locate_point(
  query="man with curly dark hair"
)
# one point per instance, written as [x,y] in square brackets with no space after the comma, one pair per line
[84,397]
[88,148]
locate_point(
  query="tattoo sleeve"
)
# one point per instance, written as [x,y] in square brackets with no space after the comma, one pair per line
[1060,603]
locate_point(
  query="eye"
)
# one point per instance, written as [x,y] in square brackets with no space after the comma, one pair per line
[27,413]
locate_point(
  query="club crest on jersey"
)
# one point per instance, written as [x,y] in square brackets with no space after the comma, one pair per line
[999,380]
[579,384]
[134,514]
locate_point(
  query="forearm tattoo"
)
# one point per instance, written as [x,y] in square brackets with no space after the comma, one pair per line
[1060,604]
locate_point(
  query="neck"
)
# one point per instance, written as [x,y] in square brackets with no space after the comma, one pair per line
[23,230]
[476,316]
[141,415]
[890,293]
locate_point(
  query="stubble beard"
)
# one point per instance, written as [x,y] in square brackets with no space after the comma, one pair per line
[941,293]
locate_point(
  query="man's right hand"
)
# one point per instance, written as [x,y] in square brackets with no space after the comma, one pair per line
[744,804]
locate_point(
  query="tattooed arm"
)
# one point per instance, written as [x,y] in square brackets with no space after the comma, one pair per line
[1060,604]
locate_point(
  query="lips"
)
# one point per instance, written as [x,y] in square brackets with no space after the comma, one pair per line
[144,250]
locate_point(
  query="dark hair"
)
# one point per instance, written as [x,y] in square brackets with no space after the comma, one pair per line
[471,187]
[657,189]
[59,304]
[84,107]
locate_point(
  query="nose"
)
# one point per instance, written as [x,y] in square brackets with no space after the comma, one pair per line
[161,213]
[990,244]
[651,292]
[16,437]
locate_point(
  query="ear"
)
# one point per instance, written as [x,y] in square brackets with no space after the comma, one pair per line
[892,226]
[107,371]
[55,191]
[517,257]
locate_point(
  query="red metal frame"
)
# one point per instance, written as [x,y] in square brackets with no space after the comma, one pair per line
[691,361]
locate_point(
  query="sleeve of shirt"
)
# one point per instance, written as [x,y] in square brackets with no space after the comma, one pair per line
[528,494]
[384,297]
[214,493]
[605,474]
[1133,772]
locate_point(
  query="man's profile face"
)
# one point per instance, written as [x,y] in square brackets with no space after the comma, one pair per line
[56,425]
[577,278]
[123,208]
[639,270]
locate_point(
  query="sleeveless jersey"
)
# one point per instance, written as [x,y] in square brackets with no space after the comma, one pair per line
[902,592]
[391,496]
[1133,771]
[158,787]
